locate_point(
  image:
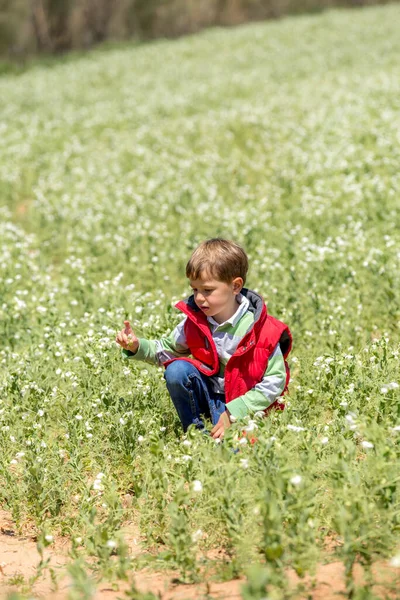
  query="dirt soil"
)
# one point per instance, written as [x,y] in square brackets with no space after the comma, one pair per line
[19,557]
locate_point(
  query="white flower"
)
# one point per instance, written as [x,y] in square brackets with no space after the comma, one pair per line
[122,422]
[396,428]
[295,480]
[295,428]
[186,443]
[197,486]
[163,428]
[244,462]
[324,440]
[48,538]
[78,540]
[395,561]
[197,535]
[140,439]
[251,427]
[243,441]
[186,457]
[366,444]
[78,417]
[259,414]
[111,544]
[40,412]
[100,475]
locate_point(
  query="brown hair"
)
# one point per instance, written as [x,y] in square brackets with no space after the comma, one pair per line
[219,258]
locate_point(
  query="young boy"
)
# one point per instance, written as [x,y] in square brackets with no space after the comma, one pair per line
[226,359]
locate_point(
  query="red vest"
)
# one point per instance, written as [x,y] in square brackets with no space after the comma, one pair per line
[248,364]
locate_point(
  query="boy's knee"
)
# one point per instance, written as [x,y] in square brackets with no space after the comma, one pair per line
[178,371]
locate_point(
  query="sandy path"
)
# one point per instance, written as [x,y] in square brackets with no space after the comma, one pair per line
[19,556]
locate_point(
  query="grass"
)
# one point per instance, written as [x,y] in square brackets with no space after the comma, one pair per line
[282,136]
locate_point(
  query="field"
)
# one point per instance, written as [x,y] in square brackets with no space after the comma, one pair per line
[285,137]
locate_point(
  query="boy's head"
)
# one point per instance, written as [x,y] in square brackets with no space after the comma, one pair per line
[220,259]
[217,271]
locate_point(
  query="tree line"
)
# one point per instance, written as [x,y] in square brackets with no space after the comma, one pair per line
[51,26]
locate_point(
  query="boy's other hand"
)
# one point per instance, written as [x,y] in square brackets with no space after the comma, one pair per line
[218,431]
[127,339]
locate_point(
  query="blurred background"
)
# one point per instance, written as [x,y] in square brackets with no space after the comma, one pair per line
[51,26]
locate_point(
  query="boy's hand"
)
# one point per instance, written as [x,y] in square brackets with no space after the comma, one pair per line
[218,431]
[127,339]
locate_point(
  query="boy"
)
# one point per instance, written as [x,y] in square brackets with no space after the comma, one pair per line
[226,359]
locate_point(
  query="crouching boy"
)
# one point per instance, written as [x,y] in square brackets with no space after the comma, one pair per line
[227,358]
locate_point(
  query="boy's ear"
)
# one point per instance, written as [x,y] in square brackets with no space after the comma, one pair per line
[237,284]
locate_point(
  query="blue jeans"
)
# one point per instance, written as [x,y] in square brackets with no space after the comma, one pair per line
[192,394]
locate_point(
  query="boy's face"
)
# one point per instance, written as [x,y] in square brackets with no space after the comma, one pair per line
[216,298]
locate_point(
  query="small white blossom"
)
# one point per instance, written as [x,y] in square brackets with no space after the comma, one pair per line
[197,486]
[295,428]
[366,444]
[197,535]
[252,426]
[111,544]
[259,414]
[244,462]
[48,538]
[295,480]
[395,561]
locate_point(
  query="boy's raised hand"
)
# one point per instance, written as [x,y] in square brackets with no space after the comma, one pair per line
[127,339]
